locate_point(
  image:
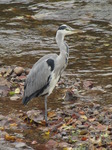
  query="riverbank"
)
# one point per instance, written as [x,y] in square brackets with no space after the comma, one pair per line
[74,123]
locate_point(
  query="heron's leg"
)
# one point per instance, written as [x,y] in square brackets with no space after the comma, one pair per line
[46,110]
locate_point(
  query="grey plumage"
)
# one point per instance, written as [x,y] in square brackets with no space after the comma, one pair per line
[46,71]
[39,72]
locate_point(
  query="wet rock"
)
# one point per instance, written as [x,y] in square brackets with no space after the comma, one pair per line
[35,115]
[63,133]
[27,70]
[81,126]
[8,72]
[96,112]
[34,142]
[69,96]
[97,106]
[108,86]
[20,145]
[51,144]
[87,84]
[4,90]
[63,144]
[98,89]
[19,70]
[58,136]
[2,71]
[14,98]
[65,137]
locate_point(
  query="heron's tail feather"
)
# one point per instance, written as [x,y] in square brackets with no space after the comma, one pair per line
[27,99]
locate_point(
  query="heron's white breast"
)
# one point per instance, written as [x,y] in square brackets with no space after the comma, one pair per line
[53,82]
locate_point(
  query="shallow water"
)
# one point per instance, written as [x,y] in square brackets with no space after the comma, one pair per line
[28,28]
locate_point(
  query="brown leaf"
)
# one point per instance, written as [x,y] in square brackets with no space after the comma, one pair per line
[84,138]
[51,114]
[13,125]
[81,112]
[10,138]
[70,121]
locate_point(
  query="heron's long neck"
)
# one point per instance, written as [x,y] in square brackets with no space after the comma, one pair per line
[64,51]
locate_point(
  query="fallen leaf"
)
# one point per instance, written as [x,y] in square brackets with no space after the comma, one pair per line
[47,132]
[67,148]
[83,117]
[1,128]
[84,138]
[17,91]
[13,125]
[11,93]
[70,121]
[81,112]
[105,135]
[9,137]
[0,75]
[106,44]
[51,114]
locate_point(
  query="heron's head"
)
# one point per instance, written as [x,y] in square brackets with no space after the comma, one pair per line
[66,30]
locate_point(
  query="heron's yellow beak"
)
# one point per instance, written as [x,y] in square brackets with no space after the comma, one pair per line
[77,31]
[74,31]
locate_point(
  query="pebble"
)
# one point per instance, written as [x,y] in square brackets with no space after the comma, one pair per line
[14,98]
[51,144]
[96,112]
[97,106]
[58,136]
[1,117]
[81,126]
[63,144]
[63,133]
[20,145]
[70,96]
[19,70]
[34,142]
[108,86]
[65,137]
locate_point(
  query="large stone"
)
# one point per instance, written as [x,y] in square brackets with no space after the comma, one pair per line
[19,70]
[14,98]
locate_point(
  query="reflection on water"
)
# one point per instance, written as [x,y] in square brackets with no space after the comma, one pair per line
[28,27]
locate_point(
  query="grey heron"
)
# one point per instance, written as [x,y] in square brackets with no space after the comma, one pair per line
[46,72]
